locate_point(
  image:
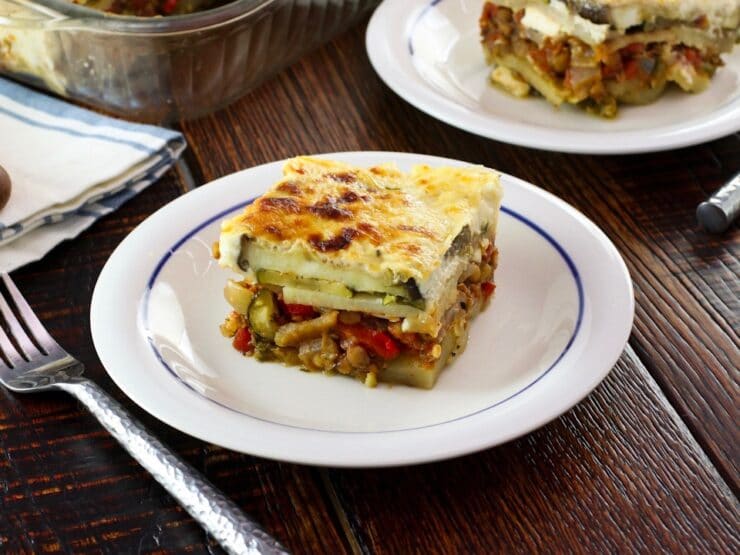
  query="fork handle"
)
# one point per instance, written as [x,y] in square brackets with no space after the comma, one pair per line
[218,515]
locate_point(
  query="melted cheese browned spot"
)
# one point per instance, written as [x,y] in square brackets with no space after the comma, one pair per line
[411,248]
[338,242]
[351,196]
[279,204]
[327,208]
[417,229]
[344,177]
[274,231]
[290,187]
[371,232]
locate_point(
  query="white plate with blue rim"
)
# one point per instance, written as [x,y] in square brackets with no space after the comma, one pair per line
[429,53]
[560,318]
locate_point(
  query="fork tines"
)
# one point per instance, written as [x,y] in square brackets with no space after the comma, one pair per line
[20,342]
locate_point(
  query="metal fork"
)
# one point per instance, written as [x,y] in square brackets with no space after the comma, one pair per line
[33,361]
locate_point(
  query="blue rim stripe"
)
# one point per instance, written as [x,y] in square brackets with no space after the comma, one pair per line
[526,221]
[418,19]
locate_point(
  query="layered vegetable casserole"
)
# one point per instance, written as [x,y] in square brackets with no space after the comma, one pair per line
[373,273]
[599,53]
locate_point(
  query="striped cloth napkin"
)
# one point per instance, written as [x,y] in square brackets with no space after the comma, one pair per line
[69,166]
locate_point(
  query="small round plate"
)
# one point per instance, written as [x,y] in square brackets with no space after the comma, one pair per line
[429,53]
[559,320]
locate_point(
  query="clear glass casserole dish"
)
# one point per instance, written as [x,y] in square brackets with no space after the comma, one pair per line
[162,69]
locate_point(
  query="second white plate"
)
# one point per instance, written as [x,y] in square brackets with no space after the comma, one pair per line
[429,53]
[560,318]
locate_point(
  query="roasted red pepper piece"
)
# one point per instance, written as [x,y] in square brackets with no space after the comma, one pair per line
[632,69]
[242,340]
[539,57]
[633,49]
[693,56]
[300,311]
[487,287]
[379,342]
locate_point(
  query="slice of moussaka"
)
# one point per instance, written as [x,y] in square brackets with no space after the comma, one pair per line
[600,53]
[369,272]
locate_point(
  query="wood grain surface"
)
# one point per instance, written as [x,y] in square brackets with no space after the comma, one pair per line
[619,473]
[642,465]
[687,282]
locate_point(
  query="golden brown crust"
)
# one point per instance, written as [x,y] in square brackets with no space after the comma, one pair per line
[329,219]
[378,219]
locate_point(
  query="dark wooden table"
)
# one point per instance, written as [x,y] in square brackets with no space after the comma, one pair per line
[648,462]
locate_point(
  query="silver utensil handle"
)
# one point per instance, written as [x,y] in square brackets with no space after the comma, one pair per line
[718,212]
[218,515]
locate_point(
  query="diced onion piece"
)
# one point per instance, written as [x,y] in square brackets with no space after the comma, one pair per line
[295,333]
[510,81]
[237,296]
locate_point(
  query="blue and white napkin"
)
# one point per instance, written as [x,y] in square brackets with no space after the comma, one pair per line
[69,166]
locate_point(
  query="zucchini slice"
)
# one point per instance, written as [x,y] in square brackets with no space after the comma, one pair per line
[261,314]
[273,277]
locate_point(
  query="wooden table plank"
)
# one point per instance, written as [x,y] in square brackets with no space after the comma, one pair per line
[619,473]
[67,486]
[686,282]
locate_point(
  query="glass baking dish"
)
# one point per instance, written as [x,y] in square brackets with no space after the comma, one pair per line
[162,69]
